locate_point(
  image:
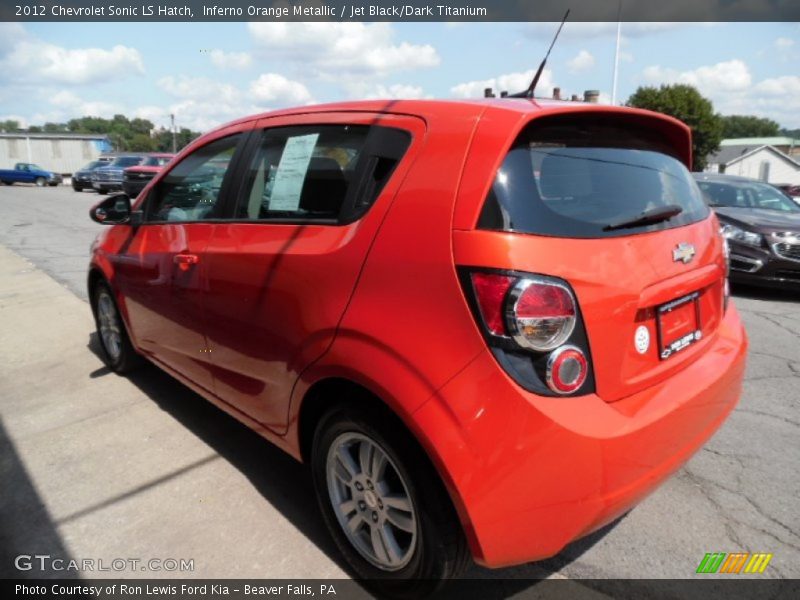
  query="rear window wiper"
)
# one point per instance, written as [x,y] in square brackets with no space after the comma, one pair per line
[648,217]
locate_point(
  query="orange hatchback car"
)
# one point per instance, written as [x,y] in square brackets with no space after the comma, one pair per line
[490,327]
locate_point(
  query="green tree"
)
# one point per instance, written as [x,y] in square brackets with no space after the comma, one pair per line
[9,126]
[741,126]
[684,102]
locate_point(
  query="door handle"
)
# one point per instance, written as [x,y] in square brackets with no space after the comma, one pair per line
[185,261]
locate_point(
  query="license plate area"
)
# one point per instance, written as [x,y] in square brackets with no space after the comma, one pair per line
[678,325]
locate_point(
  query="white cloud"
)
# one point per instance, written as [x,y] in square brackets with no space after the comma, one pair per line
[273,88]
[342,50]
[728,76]
[583,61]
[230,60]
[394,91]
[784,43]
[730,86]
[32,60]
[510,82]
[199,88]
[579,31]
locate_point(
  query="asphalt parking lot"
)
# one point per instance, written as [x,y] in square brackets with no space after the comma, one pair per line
[96,466]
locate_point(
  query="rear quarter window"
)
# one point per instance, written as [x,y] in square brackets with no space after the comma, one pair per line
[578,176]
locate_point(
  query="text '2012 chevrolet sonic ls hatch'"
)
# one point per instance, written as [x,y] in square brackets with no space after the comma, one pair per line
[490,327]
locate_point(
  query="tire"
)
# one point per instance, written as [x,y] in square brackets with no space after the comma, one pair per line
[116,349]
[77,188]
[8,183]
[40,182]
[423,530]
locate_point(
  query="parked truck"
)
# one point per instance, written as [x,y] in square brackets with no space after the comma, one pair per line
[29,173]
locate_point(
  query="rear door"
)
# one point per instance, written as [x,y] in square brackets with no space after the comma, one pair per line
[281,272]
[563,200]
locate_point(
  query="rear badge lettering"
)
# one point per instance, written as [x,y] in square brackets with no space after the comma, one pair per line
[642,339]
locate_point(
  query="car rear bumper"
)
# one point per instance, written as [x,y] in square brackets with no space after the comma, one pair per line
[530,474]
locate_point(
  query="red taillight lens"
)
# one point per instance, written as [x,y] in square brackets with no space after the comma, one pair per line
[490,292]
[566,370]
[541,315]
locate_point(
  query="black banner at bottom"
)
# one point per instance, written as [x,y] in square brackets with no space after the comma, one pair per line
[733,588]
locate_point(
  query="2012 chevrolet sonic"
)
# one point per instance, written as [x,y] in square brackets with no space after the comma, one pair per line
[490,327]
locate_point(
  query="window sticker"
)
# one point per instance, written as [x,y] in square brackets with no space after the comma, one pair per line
[292,172]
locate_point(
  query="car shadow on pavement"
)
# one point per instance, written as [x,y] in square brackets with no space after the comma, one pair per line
[739,290]
[287,485]
[26,527]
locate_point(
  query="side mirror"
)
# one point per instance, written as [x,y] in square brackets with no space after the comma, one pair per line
[114,210]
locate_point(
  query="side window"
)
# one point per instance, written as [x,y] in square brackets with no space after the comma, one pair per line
[191,190]
[319,172]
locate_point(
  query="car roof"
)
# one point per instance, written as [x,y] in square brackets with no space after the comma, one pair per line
[442,108]
[722,178]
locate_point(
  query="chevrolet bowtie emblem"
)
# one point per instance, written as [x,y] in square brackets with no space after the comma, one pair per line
[683,252]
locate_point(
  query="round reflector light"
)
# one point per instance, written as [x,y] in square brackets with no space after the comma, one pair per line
[540,314]
[566,370]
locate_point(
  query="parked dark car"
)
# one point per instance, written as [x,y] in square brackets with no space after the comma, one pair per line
[135,178]
[109,178]
[82,178]
[762,226]
[29,173]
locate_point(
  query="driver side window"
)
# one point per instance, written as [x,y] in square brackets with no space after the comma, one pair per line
[191,190]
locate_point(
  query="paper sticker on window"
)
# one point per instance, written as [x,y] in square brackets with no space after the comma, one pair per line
[291,174]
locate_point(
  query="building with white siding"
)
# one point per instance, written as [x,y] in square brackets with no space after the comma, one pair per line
[63,153]
[757,161]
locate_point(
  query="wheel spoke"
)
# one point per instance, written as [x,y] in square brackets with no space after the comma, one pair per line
[378,465]
[400,520]
[354,522]
[397,501]
[365,452]
[378,544]
[346,468]
[347,507]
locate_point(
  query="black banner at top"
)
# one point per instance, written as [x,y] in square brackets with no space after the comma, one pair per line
[400,10]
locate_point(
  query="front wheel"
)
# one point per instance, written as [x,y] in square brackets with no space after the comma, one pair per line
[384,504]
[40,182]
[117,351]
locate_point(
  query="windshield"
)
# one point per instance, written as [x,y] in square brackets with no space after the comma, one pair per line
[747,194]
[588,180]
[93,165]
[127,161]
[156,161]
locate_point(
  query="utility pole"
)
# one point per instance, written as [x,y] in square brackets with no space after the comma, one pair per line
[616,57]
[174,140]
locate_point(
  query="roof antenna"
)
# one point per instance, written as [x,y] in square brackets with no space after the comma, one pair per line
[529,92]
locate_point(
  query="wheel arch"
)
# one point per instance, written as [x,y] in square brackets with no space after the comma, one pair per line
[325,394]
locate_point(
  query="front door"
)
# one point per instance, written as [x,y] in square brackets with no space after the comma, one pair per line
[162,273]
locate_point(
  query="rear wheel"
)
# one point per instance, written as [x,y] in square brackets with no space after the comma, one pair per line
[116,347]
[40,182]
[384,504]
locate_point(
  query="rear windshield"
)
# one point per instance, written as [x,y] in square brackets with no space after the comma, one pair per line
[587,178]
[127,161]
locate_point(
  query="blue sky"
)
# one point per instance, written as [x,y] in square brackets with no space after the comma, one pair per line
[209,73]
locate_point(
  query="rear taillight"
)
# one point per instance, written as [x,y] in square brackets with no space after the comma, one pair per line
[566,370]
[540,315]
[533,325]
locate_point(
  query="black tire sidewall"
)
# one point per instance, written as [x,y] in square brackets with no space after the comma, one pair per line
[128,357]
